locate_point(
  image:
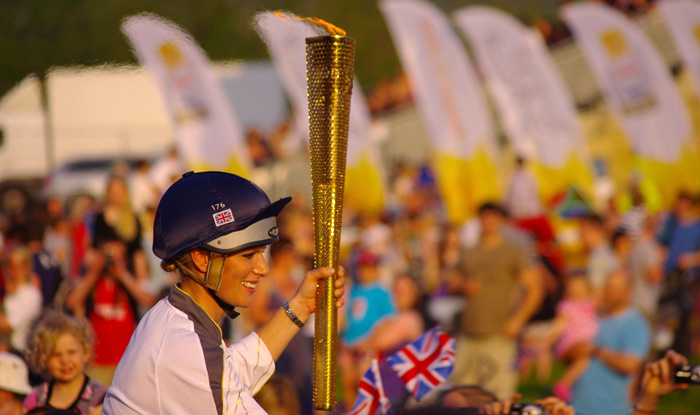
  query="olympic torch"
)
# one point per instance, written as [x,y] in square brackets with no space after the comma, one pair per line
[329,79]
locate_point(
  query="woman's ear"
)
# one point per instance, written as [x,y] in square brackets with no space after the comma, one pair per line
[200,260]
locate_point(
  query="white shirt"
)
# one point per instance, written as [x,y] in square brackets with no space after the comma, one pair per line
[22,307]
[177,363]
[522,199]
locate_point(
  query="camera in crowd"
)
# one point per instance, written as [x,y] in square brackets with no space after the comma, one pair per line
[687,374]
[521,408]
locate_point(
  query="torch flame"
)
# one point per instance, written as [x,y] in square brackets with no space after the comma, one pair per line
[331,29]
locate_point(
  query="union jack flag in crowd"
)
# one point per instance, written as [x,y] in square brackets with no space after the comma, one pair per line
[370,395]
[426,363]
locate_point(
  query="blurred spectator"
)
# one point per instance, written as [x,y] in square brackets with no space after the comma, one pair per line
[409,323]
[44,265]
[681,238]
[622,244]
[57,235]
[22,301]
[368,304]
[80,234]
[657,381]
[117,224]
[166,170]
[115,280]
[618,352]
[488,276]
[646,271]
[143,192]
[278,397]
[575,327]
[601,258]
[59,349]
[634,219]
[14,384]
[107,295]
[260,152]
[522,198]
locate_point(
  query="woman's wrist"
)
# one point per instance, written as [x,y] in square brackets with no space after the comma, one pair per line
[299,309]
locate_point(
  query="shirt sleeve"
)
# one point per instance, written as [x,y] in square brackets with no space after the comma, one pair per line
[253,361]
[637,339]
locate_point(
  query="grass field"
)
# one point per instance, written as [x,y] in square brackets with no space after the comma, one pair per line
[678,403]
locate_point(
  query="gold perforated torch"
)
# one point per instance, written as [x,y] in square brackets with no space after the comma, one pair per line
[329,77]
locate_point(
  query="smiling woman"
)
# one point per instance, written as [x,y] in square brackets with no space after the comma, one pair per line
[212,229]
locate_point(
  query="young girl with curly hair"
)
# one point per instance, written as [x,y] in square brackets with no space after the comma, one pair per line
[60,347]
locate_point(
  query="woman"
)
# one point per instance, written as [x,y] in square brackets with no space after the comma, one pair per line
[211,228]
[23,299]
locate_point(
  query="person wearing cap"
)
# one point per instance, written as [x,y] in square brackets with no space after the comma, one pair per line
[212,228]
[14,384]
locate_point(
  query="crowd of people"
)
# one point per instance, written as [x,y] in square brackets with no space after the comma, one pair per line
[77,276]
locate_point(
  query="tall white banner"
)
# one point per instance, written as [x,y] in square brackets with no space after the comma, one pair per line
[683,22]
[637,85]
[537,110]
[450,99]
[285,34]
[445,85]
[207,132]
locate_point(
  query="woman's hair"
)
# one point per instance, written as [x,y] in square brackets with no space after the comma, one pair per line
[181,263]
[45,334]
[126,225]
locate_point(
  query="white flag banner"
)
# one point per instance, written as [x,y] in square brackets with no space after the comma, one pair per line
[637,84]
[446,89]
[683,22]
[207,132]
[452,104]
[285,36]
[537,110]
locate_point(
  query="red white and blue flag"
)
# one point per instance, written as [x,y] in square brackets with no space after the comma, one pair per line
[223,217]
[370,396]
[425,363]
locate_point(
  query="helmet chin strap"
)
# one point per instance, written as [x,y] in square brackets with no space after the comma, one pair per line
[212,282]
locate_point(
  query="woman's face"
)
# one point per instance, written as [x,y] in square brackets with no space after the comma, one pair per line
[405,293]
[116,192]
[19,268]
[242,272]
[67,361]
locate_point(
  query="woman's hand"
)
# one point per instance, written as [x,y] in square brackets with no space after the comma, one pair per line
[499,407]
[657,380]
[304,301]
[556,406]
[553,406]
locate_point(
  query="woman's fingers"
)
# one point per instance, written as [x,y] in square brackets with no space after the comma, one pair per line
[320,273]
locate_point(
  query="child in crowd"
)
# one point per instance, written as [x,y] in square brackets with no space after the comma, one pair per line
[369,303]
[60,347]
[575,326]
